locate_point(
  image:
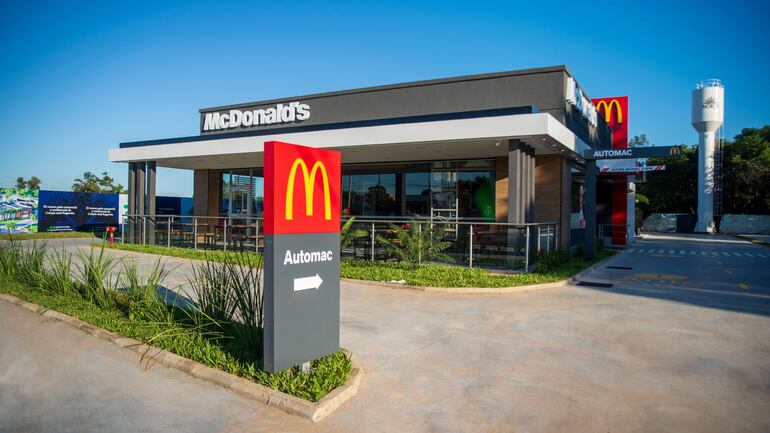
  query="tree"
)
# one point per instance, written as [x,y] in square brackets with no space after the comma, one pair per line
[639,141]
[746,172]
[34,182]
[672,190]
[93,183]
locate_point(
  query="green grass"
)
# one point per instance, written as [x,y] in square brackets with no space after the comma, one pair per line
[434,275]
[430,275]
[47,235]
[137,311]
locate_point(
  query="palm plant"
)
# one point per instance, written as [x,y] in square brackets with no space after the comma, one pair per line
[349,234]
[417,243]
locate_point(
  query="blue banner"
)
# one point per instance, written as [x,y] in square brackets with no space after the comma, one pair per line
[76,211]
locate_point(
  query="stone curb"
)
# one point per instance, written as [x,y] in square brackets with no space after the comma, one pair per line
[313,411]
[486,290]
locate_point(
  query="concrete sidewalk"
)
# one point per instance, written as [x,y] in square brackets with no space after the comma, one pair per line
[627,358]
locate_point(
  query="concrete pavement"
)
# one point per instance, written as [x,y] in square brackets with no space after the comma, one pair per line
[674,344]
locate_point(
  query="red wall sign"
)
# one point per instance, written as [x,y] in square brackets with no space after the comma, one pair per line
[302,189]
[615,113]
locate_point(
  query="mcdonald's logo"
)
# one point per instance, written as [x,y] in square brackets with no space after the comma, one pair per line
[309,180]
[608,110]
[674,151]
[297,176]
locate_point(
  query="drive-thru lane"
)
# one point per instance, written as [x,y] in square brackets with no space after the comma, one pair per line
[683,350]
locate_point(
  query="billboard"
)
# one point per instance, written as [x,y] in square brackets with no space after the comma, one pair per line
[18,210]
[302,246]
[64,211]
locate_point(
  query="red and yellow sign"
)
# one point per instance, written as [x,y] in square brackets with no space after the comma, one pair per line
[302,189]
[614,110]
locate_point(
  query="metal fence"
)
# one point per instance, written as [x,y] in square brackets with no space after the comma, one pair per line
[482,244]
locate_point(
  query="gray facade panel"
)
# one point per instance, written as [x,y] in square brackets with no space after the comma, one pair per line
[543,88]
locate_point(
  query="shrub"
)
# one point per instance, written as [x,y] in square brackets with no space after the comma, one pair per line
[349,234]
[59,279]
[97,281]
[546,261]
[416,243]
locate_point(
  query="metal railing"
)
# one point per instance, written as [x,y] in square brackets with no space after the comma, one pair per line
[470,243]
[614,235]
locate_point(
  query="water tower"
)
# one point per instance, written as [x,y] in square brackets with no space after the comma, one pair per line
[708,113]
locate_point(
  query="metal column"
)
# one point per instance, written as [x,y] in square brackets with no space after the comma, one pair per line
[589,208]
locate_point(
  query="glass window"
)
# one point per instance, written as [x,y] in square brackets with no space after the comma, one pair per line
[369,194]
[417,194]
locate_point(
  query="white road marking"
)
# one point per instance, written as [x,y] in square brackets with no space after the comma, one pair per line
[671,252]
[761,255]
[662,252]
[704,253]
[715,253]
[682,252]
[749,254]
[693,253]
[737,254]
[725,254]
[631,250]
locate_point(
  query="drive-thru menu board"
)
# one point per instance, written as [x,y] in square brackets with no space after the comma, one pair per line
[302,248]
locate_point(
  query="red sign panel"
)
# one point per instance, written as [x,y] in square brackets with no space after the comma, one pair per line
[302,189]
[615,113]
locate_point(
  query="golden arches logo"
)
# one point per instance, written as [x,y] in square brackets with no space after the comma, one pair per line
[308,176]
[608,110]
[675,150]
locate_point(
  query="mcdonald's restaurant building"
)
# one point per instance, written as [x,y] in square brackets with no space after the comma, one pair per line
[499,147]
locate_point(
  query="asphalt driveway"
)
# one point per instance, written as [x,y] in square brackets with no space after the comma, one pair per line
[675,343]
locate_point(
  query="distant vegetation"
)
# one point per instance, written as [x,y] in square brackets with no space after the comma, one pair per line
[746,176]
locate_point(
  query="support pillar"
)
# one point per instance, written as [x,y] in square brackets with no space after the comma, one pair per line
[150,201]
[131,227]
[140,192]
[590,210]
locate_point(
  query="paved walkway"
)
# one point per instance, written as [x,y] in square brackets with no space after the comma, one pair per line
[647,354]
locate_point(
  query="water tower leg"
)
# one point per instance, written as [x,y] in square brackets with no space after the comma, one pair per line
[706,147]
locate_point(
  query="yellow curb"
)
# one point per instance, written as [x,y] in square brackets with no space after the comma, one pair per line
[313,411]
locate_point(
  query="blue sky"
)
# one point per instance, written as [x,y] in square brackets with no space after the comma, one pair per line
[78,78]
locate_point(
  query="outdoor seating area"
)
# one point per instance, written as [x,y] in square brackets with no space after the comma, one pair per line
[480,244]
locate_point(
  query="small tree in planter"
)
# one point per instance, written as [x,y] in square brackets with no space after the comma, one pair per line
[416,243]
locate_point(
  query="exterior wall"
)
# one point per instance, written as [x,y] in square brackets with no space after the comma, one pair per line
[206,192]
[553,193]
[501,189]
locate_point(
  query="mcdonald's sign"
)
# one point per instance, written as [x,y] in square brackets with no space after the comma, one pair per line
[302,189]
[614,111]
[302,255]
[675,151]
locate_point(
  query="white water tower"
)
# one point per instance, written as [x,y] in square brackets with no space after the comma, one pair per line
[708,114]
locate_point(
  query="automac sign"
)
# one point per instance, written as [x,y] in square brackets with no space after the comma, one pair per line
[233,119]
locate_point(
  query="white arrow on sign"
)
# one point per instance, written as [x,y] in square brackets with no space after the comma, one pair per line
[305,283]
